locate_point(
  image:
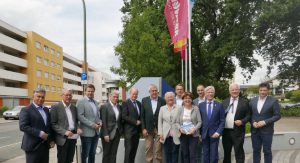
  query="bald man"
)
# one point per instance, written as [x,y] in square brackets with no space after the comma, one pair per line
[131,115]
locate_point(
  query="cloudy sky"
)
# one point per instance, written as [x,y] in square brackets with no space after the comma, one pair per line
[61,21]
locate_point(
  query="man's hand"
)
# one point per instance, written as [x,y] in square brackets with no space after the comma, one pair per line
[138,122]
[97,126]
[238,122]
[162,138]
[215,135]
[255,124]
[79,131]
[261,124]
[44,135]
[52,144]
[145,133]
[68,133]
[106,138]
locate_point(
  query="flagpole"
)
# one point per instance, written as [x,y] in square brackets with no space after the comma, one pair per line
[186,69]
[182,76]
[190,44]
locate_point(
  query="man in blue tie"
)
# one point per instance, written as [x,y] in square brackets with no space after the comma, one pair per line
[213,121]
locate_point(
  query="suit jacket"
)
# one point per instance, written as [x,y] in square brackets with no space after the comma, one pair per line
[150,119]
[195,118]
[270,113]
[169,121]
[87,117]
[196,101]
[31,123]
[60,123]
[130,116]
[217,121]
[110,125]
[242,113]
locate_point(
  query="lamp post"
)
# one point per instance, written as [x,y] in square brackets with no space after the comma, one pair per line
[84,41]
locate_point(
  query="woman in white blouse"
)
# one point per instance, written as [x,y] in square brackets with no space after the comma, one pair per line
[168,128]
[190,122]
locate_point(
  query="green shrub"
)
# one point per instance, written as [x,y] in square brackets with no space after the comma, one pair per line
[291,112]
[295,96]
[248,127]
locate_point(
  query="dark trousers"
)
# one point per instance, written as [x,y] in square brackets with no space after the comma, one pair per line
[260,140]
[171,151]
[65,153]
[189,151]
[89,146]
[200,151]
[40,155]
[110,149]
[131,145]
[231,138]
[210,149]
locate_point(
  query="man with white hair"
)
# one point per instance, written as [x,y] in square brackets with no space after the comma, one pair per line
[212,114]
[131,116]
[237,114]
[150,110]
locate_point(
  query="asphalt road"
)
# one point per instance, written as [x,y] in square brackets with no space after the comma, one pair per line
[10,140]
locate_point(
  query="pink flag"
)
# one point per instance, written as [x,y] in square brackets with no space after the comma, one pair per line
[176,13]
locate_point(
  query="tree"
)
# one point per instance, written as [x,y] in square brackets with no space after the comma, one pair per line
[278,37]
[221,39]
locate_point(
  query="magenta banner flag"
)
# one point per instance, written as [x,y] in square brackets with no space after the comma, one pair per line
[176,13]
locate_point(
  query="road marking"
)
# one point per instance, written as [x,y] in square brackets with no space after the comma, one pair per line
[10,145]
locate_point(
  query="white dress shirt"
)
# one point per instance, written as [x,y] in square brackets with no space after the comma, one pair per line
[260,103]
[154,104]
[115,108]
[69,116]
[179,101]
[229,122]
[212,106]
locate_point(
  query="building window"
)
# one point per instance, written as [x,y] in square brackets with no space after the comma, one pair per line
[53,89]
[52,64]
[39,85]
[46,62]
[58,66]
[52,51]
[58,77]
[46,48]
[46,75]
[58,89]
[52,77]
[38,45]
[57,54]
[38,59]
[47,87]
[38,73]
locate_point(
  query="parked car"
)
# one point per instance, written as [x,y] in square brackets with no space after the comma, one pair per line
[297,105]
[13,113]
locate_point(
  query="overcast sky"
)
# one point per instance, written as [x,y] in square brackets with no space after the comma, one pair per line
[61,21]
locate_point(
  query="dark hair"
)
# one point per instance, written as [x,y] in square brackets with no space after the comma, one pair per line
[264,85]
[90,86]
[201,85]
[187,94]
[39,90]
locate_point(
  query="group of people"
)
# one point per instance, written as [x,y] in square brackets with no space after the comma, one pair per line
[176,128]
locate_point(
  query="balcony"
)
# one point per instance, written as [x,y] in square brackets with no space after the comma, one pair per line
[71,77]
[10,75]
[12,43]
[72,67]
[9,91]
[6,58]
[73,87]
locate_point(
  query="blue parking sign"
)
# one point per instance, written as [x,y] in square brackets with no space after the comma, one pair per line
[83,76]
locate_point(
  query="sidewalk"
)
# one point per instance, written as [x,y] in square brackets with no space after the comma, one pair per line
[2,120]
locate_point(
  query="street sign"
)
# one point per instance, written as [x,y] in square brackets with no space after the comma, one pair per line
[83,78]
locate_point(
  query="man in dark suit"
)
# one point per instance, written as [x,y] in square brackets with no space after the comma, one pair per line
[150,110]
[65,124]
[237,114]
[112,127]
[90,123]
[38,135]
[212,114]
[265,111]
[131,116]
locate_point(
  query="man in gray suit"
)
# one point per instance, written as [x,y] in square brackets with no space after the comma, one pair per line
[112,128]
[89,116]
[64,122]
[265,111]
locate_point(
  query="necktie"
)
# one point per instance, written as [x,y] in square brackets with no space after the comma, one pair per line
[231,105]
[43,114]
[209,110]
[137,109]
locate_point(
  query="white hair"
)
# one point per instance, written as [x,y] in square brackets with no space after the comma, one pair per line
[66,90]
[234,84]
[133,89]
[170,93]
[114,92]
[152,86]
[210,87]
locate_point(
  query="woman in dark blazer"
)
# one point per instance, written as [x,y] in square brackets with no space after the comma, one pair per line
[190,122]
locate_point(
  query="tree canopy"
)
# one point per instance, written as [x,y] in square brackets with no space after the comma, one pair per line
[225,34]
